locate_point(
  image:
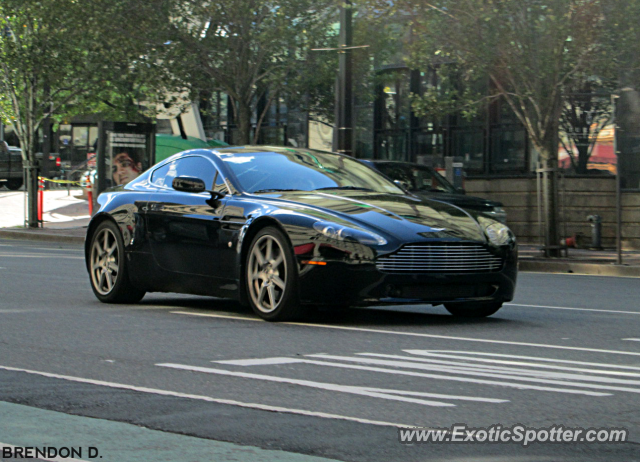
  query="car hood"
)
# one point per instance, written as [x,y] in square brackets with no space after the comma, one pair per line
[405,217]
[461,200]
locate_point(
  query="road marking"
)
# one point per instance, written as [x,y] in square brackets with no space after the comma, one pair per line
[21,311]
[513,363]
[632,339]
[9,255]
[535,358]
[521,386]
[57,250]
[416,334]
[363,391]
[573,309]
[260,362]
[223,316]
[502,369]
[257,406]
[495,374]
[49,459]
[279,360]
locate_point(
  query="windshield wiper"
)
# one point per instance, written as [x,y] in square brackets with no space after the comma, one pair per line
[274,190]
[353,188]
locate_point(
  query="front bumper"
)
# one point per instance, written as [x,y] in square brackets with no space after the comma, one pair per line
[363,284]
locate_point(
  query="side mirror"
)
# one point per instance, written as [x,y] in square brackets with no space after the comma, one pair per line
[461,190]
[188,184]
[401,184]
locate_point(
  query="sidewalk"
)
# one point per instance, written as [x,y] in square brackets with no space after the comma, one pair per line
[580,261]
[66,218]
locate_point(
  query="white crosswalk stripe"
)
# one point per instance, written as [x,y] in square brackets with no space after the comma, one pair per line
[483,369]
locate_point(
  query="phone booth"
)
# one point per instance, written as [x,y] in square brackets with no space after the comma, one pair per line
[125,150]
[454,171]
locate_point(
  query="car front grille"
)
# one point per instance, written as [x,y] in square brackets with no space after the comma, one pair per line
[440,258]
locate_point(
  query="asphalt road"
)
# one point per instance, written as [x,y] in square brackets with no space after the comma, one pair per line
[565,352]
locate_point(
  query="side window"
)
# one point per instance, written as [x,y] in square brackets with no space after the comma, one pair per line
[164,175]
[220,185]
[195,166]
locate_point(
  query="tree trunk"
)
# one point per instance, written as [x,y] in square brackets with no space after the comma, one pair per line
[244,122]
[550,199]
[583,159]
[549,157]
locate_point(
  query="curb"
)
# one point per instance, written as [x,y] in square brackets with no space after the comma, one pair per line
[524,265]
[39,236]
[573,267]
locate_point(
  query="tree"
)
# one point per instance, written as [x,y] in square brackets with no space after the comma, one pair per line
[585,114]
[59,57]
[248,49]
[530,51]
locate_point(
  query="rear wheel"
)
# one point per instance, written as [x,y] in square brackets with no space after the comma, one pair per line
[473,310]
[272,277]
[108,269]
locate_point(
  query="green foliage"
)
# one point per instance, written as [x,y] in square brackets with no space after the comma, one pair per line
[244,47]
[60,57]
[531,52]
[312,86]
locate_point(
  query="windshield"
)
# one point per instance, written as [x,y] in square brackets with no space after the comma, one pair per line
[417,177]
[304,170]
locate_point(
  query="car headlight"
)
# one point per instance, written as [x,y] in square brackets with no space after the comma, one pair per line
[344,233]
[499,234]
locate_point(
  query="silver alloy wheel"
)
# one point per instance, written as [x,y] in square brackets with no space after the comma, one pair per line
[104,261]
[267,273]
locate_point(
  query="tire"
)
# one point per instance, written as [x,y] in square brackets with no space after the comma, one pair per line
[14,184]
[271,277]
[107,267]
[473,310]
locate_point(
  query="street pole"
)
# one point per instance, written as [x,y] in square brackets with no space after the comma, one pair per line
[618,182]
[344,103]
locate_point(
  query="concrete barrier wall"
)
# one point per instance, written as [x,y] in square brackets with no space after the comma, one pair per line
[579,198]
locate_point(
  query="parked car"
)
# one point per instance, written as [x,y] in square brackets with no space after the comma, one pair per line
[11,171]
[11,166]
[426,182]
[282,229]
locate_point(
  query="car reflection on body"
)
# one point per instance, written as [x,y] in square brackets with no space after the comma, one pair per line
[426,182]
[284,229]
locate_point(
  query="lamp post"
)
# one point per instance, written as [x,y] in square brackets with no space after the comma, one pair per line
[614,101]
[343,139]
[344,95]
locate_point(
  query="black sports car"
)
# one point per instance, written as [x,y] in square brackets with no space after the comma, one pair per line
[281,229]
[423,181]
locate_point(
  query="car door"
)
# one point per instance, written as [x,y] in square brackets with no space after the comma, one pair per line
[184,227]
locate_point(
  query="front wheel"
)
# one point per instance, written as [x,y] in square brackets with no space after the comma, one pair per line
[272,277]
[473,310]
[108,269]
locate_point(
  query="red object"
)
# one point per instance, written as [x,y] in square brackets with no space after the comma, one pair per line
[303,249]
[40,198]
[90,199]
[58,162]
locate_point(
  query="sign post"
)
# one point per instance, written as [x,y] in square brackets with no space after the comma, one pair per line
[125,150]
